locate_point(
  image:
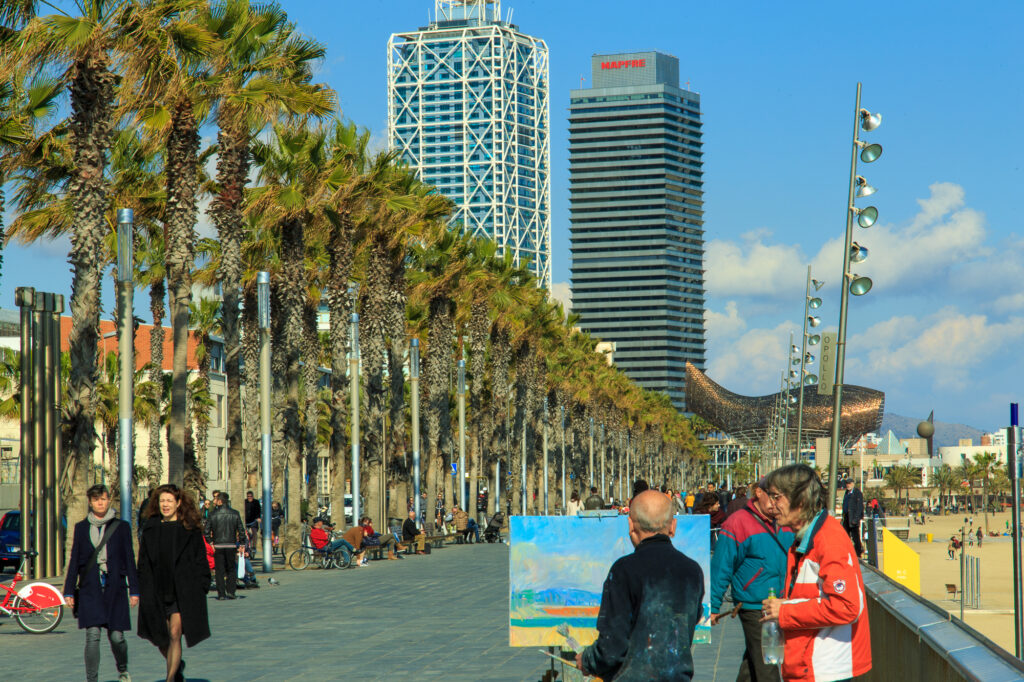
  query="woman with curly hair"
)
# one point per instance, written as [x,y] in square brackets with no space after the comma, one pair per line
[173,576]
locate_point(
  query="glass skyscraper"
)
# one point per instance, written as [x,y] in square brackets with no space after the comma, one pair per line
[636,195]
[468,108]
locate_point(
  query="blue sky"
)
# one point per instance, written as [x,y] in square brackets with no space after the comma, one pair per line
[943,324]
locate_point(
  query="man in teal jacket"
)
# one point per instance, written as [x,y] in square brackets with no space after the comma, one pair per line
[751,558]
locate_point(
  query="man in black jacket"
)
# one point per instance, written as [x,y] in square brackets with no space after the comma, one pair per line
[595,501]
[853,512]
[650,604]
[226,533]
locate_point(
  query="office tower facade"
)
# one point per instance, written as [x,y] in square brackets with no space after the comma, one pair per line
[468,108]
[636,210]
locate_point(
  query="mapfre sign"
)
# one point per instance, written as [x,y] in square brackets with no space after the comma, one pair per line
[625,64]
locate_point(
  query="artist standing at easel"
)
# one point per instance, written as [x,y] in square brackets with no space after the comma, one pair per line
[650,604]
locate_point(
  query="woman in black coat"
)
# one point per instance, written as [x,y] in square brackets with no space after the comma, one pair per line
[173,576]
[104,583]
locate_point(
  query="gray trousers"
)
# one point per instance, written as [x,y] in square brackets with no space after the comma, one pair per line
[752,667]
[92,652]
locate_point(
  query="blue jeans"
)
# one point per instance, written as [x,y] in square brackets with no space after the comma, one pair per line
[472,527]
[338,544]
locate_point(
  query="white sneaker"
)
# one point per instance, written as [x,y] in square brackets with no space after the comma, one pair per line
[124,677]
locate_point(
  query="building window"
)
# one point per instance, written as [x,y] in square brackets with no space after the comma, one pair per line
[10,466]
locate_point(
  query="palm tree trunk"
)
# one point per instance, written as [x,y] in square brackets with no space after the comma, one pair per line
[310,380]
[398,464]
[339,304]
[226,211]
[157,292]
[250,346]
[182,189]
[92,97]
[374,295]
[437,375]
[293,294]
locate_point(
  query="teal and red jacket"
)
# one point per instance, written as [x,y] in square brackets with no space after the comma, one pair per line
[751,556]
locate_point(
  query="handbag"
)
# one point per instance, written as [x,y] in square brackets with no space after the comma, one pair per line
[108,530]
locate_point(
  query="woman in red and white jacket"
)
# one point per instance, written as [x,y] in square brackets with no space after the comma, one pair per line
[823,613]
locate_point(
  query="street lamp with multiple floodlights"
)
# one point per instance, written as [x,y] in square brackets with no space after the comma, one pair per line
[807,378]
[851,283]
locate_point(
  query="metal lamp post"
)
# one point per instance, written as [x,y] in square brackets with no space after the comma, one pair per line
[263,317]
[544,439]
[591,452]
[126,349]
[561,412]
[463,482]
[414,391]
[604,463]
[807,339]
[851,283]
[353,376]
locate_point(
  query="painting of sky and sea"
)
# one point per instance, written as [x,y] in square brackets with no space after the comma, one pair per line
[558,566]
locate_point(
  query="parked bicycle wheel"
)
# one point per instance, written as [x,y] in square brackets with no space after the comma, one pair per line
[342,559]
[298,560]
[34,619]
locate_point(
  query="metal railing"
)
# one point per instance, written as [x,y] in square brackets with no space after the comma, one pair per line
[913,639]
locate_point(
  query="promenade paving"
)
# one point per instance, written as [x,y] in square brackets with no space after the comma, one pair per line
[443,616]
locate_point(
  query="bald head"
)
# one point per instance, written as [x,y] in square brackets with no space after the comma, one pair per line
[651,512]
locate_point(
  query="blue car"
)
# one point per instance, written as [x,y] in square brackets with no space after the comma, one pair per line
[10,540]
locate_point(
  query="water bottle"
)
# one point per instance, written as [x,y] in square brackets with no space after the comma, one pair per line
[772,642]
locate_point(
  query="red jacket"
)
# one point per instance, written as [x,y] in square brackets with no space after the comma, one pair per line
[319,537]
[209,553]
[824,616]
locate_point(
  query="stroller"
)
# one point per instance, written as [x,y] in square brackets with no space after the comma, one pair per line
[493,531]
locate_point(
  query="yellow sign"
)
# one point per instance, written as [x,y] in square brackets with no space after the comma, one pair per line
[901,563]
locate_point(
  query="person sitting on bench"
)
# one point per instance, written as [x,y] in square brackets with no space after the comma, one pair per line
[321,539]
[371,538]
[464,525]
[411,533]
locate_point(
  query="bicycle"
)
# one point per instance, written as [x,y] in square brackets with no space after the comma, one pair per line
[38,607]
[309,555]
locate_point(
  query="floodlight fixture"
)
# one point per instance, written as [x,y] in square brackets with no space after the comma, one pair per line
[813,339]
[867,216]
[858,253]
[813,321]
[814,303]
[869,152]
[817,284]
[811,380]
[863,188]
[808,358]
[859,285]
[869,121]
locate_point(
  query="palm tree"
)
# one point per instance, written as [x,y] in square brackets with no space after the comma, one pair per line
[80,48]
[946,480]
[204,318]
[262,70]
[900,478]
[986,464]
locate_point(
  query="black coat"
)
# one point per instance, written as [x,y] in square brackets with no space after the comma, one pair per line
[650,606]
[191,580]
[853,507]
[107,607]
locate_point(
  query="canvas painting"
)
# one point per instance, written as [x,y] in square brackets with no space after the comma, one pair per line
[558,566]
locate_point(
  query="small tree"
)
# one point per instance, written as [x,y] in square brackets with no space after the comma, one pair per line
[985,465]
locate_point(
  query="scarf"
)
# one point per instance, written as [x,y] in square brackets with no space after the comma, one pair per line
[96,525]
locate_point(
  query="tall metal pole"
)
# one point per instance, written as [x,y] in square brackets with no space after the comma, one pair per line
[353,375]
[414,392]
[591,452]
[25,299]
[544,439]
[1012,466]
[126,349]
[785,428]
[803,364]
[604,463]
[497,485]
[54,431]
[844,299]
[263,315]
[522,462]
[48,418]
[42,522]
[463,481]
[565,497]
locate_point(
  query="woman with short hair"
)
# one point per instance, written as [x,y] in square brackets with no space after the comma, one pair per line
[174,576]
[823,611]
[103,573]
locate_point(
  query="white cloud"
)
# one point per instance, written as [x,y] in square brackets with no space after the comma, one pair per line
[947,347]
[562,292]
[746,360]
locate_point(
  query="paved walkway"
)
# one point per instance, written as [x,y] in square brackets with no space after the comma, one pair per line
[443,616]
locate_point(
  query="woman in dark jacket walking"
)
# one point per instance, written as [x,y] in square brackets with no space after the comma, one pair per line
[173,576]
[104,583]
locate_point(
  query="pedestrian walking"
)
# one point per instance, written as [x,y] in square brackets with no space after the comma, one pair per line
[101,582]
[173,577]
[853,512]
[650,604]
[226,533]
[750,558]
[823,613]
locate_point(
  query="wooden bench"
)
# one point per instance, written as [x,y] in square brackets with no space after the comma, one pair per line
[951,590]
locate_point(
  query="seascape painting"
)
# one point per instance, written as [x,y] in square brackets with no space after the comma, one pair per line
[558,566]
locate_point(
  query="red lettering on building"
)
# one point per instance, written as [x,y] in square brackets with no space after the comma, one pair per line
[625,64]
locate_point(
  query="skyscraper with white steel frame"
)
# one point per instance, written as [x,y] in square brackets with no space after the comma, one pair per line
[468,108]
